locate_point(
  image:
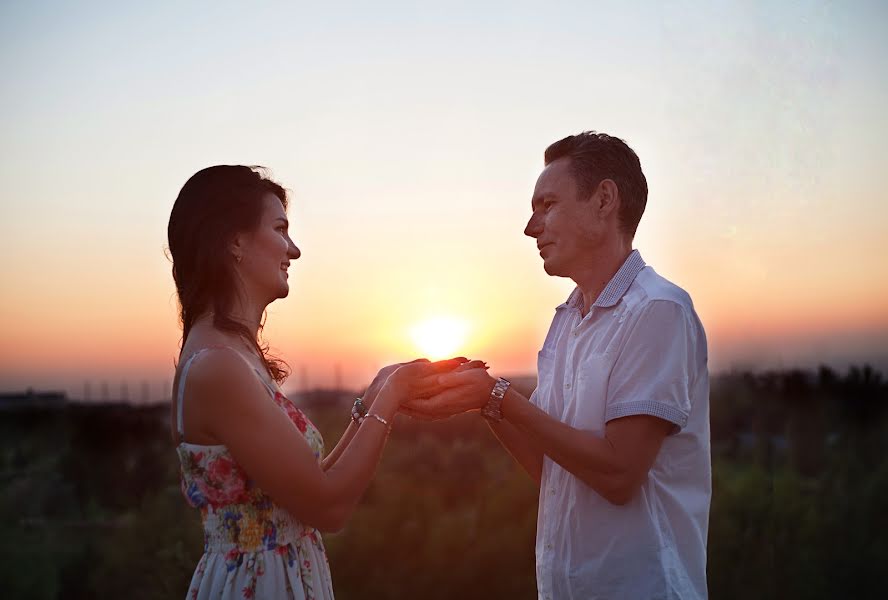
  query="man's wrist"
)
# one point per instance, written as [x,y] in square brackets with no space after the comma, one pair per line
[492,410]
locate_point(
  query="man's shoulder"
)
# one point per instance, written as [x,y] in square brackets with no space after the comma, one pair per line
[651,287]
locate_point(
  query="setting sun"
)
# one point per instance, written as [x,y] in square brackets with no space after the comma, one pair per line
[439,337]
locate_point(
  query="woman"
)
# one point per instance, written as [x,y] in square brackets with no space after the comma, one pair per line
[251,461]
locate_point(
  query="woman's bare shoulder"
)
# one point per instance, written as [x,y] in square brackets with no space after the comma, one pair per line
[219,368]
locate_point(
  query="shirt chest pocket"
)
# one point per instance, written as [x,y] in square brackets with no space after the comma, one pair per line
[585,407]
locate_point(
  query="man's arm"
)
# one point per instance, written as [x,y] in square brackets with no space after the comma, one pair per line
[647,397]
[520,446]
[615,465]
[516,443]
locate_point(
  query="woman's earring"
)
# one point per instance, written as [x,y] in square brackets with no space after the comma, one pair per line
[238,258]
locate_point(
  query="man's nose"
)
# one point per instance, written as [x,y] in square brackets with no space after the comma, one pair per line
[293,251]
[533,227]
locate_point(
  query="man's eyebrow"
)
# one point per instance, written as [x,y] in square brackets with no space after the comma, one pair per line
[537,199]
[282,220]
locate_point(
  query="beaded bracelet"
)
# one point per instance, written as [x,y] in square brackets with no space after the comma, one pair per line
[358,412]
[377,417]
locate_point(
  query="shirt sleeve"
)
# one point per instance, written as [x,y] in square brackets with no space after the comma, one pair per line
[534,398]
[652,373]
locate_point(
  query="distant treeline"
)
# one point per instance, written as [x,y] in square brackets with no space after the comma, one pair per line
[90,504]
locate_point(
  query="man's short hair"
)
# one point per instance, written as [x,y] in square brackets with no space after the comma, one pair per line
[598,156]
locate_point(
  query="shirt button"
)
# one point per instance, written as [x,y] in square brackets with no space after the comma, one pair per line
[548,546]
[567,385]
[551,491]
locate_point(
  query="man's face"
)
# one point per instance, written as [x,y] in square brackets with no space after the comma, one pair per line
[567,229]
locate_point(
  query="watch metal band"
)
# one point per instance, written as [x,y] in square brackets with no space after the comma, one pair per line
[492,411]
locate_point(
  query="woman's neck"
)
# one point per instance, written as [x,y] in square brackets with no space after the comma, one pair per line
[250,320]
[246,312]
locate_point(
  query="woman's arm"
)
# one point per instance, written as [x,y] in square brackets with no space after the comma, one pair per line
[368,399]
[340,447]
[235,409]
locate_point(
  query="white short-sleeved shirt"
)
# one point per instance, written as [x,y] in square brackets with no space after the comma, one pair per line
[640,350]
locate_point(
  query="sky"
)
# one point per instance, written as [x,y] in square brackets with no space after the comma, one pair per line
[410,138]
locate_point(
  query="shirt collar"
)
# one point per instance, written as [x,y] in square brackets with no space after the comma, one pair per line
[616,288]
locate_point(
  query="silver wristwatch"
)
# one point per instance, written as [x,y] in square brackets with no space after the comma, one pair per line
[492,411]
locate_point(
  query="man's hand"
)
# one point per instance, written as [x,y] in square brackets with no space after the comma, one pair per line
[466,388]
[382,376]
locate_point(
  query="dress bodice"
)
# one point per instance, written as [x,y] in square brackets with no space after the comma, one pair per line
[242,524]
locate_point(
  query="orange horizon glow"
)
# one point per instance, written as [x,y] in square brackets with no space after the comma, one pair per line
[316,358]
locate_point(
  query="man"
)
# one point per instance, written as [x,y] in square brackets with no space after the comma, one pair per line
[617,431]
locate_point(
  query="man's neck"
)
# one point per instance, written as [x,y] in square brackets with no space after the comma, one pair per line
[595,276]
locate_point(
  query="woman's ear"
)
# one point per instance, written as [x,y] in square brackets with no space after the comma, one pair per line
[237,247]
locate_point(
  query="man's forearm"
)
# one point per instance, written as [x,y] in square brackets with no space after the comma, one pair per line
[520,446]
[614,464]
[590,458]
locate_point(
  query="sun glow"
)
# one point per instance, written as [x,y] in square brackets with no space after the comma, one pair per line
[439,337]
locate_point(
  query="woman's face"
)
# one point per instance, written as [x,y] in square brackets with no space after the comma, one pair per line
[266,253]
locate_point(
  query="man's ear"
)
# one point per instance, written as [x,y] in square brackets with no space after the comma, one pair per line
[607,198]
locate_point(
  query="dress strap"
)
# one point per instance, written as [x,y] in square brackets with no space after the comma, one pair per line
[267,385]
[180,397]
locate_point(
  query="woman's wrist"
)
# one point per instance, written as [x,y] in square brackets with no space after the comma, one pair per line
[386,423]
[369,396]
[386,404]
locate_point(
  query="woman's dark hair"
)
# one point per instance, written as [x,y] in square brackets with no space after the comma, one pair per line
[213,206]
[597,156]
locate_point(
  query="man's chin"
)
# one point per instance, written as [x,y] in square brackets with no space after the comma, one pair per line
[552,269]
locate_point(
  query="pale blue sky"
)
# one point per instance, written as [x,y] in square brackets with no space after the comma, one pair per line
[411,137]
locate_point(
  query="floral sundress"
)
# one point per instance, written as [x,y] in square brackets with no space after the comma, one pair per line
[253,548]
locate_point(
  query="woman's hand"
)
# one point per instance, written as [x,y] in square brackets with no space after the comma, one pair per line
[373,389]
[417,379]
[463,389]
